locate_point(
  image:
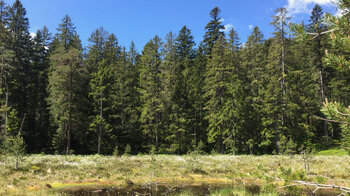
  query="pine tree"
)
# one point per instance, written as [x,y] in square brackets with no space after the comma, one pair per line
[339,59]
[66,91]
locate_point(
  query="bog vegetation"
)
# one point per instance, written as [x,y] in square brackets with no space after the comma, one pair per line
[269,175]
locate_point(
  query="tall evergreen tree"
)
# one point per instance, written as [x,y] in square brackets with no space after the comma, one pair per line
[218,91]
[184,97]
[6,57]
[40,122]
[254,81]
[100,84]
[20,88]
[317,53]
[67,97]
[214,29]
[275,95]
[152,111]
[338,58]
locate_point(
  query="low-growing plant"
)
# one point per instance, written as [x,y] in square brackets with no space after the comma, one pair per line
[116,151]
[127,151]
[308,155]
[14,147]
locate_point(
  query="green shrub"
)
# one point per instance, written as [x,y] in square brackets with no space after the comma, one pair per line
[116,151]
[127,151]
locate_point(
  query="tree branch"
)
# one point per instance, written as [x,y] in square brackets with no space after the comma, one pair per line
[328,120]
[318,34]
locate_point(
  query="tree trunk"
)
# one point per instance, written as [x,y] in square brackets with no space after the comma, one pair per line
[69,131]
[69,127]
[101,127]
[325,126]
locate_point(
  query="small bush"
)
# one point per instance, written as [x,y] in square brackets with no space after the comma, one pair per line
[116,151]
[127,151]
[14,146]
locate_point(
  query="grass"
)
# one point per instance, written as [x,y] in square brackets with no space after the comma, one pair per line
[334,152]
[50,174]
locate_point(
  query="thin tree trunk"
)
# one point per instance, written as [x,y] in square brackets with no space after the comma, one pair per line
[325,126]
[7,105]
[100,132]
[157,140]
[69,131]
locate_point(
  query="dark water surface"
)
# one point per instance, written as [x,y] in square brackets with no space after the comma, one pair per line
[161,189]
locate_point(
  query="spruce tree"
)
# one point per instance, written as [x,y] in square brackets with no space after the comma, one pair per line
[20,87]
[214,30]
[254,81]
[101,74]
[218,91]
[275,94]
[40,122]
[318,46]
[184,75]
[152,110]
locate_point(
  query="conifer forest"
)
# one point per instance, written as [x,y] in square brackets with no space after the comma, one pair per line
[275,94]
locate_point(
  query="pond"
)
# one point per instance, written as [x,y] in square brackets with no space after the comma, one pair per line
[188,189]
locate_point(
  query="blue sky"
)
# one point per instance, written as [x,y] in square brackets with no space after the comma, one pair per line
[141,20]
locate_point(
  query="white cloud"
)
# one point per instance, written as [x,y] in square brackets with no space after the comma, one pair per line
[222,20]
[301,6]
[32,34]
[339,13]
[228,27]
[250,27]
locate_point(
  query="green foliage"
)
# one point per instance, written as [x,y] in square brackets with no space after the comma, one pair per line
[333,152]
[127,150]
[66,88]
[291,147]
[262,98]
[14,147]
[214,31]
[151,91]
[200,148]
[339,59]
[116,151]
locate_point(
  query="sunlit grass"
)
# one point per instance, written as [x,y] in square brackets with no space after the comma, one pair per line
[39,174]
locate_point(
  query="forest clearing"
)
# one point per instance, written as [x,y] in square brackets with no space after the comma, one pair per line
[273,175]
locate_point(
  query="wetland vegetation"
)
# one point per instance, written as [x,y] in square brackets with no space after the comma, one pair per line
[181,175]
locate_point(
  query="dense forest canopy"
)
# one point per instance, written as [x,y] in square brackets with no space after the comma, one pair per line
[276,95]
